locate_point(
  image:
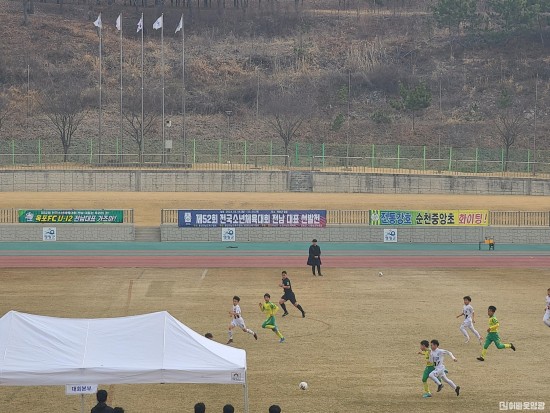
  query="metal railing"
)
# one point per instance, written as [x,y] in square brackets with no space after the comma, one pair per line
[519,219]
[362,217]
[10,215]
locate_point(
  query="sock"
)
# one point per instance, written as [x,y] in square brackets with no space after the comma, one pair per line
[299,307]
[464,332]
[283,306]
[483,352]
[426,387]
[313,269]
[476,333]
[279,334]
[230,334]
[449,381]
[249,331]
[507,346]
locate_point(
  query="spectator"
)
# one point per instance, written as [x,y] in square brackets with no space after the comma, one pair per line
[101,406]
[228,409]
[274,408]
[200,407]
[118,410]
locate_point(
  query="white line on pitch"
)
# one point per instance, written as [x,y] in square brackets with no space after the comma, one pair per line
[204,274]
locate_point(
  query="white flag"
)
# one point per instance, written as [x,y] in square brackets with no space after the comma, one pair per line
[97,23]
[140,25]
[119,22]
[158,24]
[180,25]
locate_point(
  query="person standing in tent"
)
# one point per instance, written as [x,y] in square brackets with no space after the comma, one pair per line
[237,320]
[314,257]
[101,406]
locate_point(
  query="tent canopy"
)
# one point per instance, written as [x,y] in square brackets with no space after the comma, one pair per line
[149,348]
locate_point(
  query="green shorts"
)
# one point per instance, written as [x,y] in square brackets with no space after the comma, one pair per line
[270,321]
[427,372]
[493,338]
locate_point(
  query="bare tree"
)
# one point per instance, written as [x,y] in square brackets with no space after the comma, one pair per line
[5,110]
[286,110]
[132,113]
[63,105]
[509,127]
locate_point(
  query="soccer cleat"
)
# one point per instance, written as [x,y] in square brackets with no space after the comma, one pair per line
[481,359]
[230,341]
[467,341]
[439,387]
[285,313]
[512,347]
[457,390]
[303,314]
[255,336]
[282,340]
[426,395]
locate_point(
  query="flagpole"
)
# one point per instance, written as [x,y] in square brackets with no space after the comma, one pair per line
[142,117]
[183,102]
[162,68]
[121,117]
[100,100]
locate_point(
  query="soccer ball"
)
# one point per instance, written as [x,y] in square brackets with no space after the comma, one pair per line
[380,274]
[303,385]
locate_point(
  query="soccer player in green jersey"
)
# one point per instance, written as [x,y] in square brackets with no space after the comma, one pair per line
[270,309]
[425,351]
[492,336]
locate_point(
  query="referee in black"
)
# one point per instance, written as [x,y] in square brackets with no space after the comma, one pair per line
[288,295]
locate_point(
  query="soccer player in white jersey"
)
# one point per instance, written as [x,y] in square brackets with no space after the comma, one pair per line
[469,320]
[437,357]
[546,318]
[237,320]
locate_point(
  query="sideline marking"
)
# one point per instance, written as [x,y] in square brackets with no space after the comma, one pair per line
[204,274]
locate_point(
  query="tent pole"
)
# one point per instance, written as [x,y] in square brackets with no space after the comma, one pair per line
[245,388]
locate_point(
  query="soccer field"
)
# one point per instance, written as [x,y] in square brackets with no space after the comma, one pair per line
[357,347]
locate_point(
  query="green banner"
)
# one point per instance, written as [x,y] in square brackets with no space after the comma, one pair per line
[430,218]
[71,216]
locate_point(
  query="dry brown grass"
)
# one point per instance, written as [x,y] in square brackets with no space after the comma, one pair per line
[356,348]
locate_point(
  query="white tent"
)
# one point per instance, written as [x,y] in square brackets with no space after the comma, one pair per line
[149,348]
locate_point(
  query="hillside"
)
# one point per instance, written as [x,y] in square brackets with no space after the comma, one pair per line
[250,60]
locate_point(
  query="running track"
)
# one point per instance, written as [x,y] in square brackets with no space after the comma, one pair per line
[203,255]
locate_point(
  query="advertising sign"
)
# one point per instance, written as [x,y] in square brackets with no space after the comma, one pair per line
[263,218]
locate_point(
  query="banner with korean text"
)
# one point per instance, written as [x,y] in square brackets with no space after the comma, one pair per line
[256,218]
[430,218]
[71,216]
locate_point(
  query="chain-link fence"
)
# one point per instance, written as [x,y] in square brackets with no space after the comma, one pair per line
[226,154]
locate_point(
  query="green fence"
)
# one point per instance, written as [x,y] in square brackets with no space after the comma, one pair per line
[223,154]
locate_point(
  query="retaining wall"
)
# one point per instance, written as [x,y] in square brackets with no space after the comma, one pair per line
[503,235]
[68,232]
[262,181]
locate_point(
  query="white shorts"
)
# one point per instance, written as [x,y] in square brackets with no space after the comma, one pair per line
[467,323]
[546,316]
[238,322]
